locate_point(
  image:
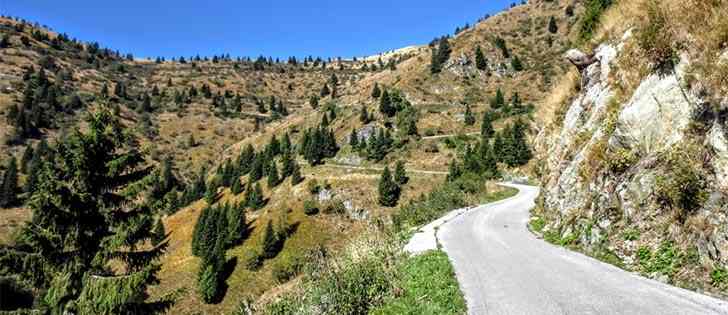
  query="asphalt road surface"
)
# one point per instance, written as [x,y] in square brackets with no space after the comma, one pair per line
[503,268]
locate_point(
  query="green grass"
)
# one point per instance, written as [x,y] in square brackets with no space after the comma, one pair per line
[428,286]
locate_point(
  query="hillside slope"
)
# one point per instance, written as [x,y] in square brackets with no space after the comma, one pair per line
[634,160]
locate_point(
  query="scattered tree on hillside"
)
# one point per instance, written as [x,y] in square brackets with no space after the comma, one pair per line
[516,64]
[376,91]
[440,55]
[480,62]
[468,116]
[82,226]
[400,175]
[486,127]
[388,190]
[553,28]
[9,185]
[498,100]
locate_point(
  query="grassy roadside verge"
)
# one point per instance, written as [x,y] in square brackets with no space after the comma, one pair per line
[428,286]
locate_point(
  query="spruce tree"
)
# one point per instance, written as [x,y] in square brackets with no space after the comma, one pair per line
[469,117]
[498,100]
[273,179]
[354,139]
[237,227]
[385,105]
[296,177]
[9,185]
[82,227]
[159,234]
[237,187]
[400,174]
[480,62]
[376,91]
[286,165]
[27,157]
[486,127]
[254,196]
[270,242]
[388,189]
[364,116]
[516,64]
[553,28]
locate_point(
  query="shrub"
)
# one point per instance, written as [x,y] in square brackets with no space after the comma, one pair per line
[682,186]
[718,276]
[251,260]
[286,268]
[655,38]
[620,160]
[310,207]
[591,18]
[335,206]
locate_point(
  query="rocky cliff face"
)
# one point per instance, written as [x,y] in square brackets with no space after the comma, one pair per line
[638,176]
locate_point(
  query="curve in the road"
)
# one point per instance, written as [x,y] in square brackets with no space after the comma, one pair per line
[503,268]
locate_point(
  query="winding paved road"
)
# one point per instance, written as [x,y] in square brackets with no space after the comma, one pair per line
[504,269]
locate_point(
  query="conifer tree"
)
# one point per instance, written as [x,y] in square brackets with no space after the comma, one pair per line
[376,91]
[325,91]
[486,127]
[354,139]
[273,179]
[516,64]
[498,100]
[286,165]
[159,233]
[27,157]
[236,188]
[400,175]
[364,116]
[553,28]
[480,62]
[82,227]
[296,177]
[385,105]
[237,227]
[270,242]
[9,185]
[388,189]
[254,196]
[314,101]
[469,117]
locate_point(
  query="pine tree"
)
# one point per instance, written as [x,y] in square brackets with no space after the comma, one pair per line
[486,127]
[254,196]
[9,185]
[469,117]
[270,242]
[388,189]
[273,179]
[286,165]
[480,62]
[325,90]
[553,28]
[31,182]
[27,157]
[376,91]
[211,193]
[385,105]
[400,175]
[516,64]
[237,227]
[159,234]
[364,116]
[314,101]
[81,225]
[354,139]
[236,188]
[203,222]
[498,100]
[296,177]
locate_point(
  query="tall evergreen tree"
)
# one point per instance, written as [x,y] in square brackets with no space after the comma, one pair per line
[364,116]
[486,127]
[388,190]
[553,28]
[468,116]
[273,178]
[270,242]
[376,91]
[385,105]
[498,100]
[82,227]
[9,185]
[516,63]
[400,174]
[480,62]
[237,227]
[296,177]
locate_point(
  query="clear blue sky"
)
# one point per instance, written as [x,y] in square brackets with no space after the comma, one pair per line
[282,28]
